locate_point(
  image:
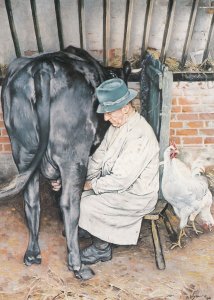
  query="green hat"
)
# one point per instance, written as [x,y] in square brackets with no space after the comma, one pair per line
[113,94]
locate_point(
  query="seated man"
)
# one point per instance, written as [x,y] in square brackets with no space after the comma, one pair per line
[123,179]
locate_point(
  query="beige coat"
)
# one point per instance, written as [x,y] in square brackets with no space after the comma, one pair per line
[125,181]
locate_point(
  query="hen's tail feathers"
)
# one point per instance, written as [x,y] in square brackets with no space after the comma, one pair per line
[197,168]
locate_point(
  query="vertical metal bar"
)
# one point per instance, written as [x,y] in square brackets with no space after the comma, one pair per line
[59,23]
[127,28]
[36,25]
[147,25]
[191,24]
[206,50]
[12,27]
[167,29]
[81,13]
[106,31]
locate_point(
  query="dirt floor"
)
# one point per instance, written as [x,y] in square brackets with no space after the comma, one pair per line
[131,274]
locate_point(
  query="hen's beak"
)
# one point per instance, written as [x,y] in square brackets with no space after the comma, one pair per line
[174,153]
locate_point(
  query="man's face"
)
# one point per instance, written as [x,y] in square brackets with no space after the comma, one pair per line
[117,118]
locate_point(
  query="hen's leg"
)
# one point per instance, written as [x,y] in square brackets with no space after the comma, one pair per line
[183,222]
[178,243]
[192,219]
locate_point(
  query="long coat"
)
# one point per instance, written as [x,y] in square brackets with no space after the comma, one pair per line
[125,181]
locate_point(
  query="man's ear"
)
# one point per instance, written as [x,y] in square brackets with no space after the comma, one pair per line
[125,109]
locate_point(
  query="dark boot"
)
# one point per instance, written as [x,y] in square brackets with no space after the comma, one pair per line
[98,251]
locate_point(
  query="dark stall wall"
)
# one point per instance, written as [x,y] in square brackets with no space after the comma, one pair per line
[93,27]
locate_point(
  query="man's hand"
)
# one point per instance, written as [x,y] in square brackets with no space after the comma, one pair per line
[56,184]
[87,186]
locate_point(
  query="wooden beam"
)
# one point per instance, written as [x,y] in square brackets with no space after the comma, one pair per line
[189,31]
[168,29]
[106,31]
[59,23]
[147,26]
[12,27]
[81,13]
[36,25]
[127,28]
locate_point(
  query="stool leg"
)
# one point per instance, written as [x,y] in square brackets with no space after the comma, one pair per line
[171,232]
[160,262]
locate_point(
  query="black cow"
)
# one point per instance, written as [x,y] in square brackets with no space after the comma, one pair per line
[49,107]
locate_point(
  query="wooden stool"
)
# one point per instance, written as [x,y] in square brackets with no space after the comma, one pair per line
[154,216]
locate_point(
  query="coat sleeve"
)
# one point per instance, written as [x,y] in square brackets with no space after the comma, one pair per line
[136,155]
[96,160]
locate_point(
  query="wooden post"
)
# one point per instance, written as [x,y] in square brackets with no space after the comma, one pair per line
[206,50]
[81,14]
[167,82]
[147,25]
[168,29]
[59,23]
[106,31]
[36,25]
[127,29]
[12,27]
[191,24]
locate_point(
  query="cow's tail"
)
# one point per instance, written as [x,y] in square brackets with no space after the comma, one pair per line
[42,74]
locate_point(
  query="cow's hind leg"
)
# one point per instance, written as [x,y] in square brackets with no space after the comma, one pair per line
[72,184]
[32,210]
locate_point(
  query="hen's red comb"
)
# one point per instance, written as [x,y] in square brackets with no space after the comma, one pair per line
[172,143]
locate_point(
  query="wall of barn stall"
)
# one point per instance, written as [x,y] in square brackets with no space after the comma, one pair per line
[186,95]
[93,28]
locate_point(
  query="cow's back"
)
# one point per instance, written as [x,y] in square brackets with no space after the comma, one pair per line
[72,106]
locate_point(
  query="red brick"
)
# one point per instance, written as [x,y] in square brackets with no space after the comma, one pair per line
[176,109]
[187,116]
[209,140]
[195,124]
[206,116]
[1,148]
[193,108]
[192,140]
[206,131]
[1,124]
[172,132]
[186,132]
[176,124]
[174,101]
[4,132]
[7,148]
[176,139]
[173,117]
[4,140]
[188,101]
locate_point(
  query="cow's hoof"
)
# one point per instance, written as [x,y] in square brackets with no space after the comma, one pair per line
[30,259]
[85,273]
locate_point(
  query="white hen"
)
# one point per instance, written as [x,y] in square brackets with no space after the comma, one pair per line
[186,191]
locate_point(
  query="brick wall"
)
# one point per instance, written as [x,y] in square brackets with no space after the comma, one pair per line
[4,139]
[192,118]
